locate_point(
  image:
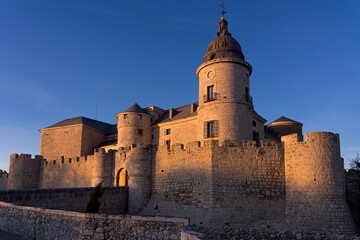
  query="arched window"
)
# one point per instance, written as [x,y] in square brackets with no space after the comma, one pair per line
[122,178]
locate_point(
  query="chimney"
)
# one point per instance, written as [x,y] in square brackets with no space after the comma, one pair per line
[170,113]
[192,108]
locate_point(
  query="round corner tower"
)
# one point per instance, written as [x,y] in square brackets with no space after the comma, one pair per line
[134,127]
[24,172]
[225,106]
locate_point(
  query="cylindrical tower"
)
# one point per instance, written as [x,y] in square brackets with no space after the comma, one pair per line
[225,106]
[134,127]
[24,172]
[315,184]
[102,167]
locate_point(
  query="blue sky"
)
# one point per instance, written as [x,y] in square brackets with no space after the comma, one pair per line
[59,59]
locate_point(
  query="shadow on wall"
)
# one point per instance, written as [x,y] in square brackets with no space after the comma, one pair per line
[114,199]
[353,194]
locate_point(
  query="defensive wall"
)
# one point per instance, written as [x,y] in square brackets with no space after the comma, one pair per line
[315,184]
[228,185]
[43,224]
[295,185]
[37,223]
[74,172]
[114,200]
[3,179]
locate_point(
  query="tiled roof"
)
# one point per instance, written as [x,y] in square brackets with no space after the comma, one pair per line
[178,113]
[102,126]
[136,108]
[285,119]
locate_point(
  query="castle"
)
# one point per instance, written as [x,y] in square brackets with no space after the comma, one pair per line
[213,161]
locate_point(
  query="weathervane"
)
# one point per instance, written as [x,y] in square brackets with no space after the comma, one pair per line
[222,8]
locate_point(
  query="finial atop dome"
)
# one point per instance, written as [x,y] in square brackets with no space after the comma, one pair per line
[223,27]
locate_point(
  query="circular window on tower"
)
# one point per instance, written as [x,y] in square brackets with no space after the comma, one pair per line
[210,74]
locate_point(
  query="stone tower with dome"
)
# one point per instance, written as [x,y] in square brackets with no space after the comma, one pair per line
[213,161]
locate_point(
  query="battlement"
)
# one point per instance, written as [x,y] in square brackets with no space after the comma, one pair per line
[25,157]
[311,137]
[3,174]
[77,159]
[215,144]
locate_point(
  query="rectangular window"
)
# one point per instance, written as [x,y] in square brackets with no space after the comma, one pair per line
[254,123]
[210,93]
[211,129]
[125,116]
[152,136]
[168,143]
[140,117]
[168,131]
[140,131]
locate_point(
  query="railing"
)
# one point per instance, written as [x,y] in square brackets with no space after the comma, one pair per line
[211,97]
[249,99]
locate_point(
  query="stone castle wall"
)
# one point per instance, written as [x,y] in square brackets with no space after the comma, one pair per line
[67,172]
[229,185]
[69,141]
[315,184]
[63,141]
[84,171]
[44,224]
[248,183]
[25,171]
[114,200]
[219,185]
[137,163]
[184,130]
[3,179]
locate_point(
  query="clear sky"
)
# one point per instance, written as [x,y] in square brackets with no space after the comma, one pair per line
[59,59]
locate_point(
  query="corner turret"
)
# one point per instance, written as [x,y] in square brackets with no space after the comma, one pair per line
[134,127]
[24,172]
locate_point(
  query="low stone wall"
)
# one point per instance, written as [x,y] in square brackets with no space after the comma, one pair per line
[36,223]
[114,199]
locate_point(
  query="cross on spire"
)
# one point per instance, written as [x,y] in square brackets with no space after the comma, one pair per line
[222,8]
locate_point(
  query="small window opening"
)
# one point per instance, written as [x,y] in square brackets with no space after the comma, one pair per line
[133,146]
[152,136]
[54,162]
[140,117]
[168,143]
[168,131]
[211,129]
[125,116]
[140,131]
[212,57]
[254,123]
[210,93]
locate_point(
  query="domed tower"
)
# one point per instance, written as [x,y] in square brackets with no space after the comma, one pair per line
[225,106]
[134,127]
[285,126]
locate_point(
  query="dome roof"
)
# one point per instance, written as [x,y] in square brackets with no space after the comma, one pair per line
[223,46]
